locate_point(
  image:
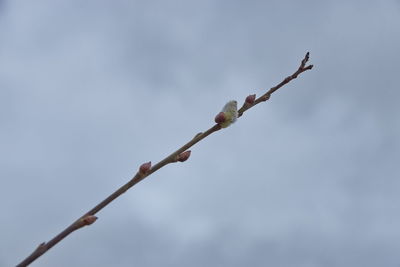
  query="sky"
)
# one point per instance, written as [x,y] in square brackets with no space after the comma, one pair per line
[90,90]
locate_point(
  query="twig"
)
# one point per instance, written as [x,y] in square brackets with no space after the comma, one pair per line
[182,154]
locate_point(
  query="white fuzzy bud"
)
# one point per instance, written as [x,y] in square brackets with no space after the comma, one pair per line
[231,113]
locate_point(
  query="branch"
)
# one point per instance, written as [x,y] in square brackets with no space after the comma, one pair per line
[182,154]
[249,103]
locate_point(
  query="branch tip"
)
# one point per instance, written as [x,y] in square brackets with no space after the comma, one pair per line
[304,61]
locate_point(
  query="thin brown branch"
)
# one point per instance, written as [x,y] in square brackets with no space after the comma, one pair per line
[145,169]
[302,68]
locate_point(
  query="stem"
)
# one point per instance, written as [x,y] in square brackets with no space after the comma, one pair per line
[83,220]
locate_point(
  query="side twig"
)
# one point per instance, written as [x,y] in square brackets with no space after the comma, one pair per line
[182,154]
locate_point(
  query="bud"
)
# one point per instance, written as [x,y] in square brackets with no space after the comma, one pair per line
[250,99]
[230,114]
[145,168]
[89,219]
[220,118]
[184,156]
[197,135]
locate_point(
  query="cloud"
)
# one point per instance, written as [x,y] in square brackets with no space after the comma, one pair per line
[90,90]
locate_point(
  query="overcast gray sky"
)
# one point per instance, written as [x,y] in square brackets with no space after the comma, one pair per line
[89,90]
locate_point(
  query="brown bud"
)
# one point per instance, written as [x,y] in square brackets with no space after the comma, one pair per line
[41,247]
[184,156]
[145,168]
[198,134]
[250,99]
[220,118]
[89,219]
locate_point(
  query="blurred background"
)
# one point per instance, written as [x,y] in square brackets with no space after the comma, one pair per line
[89,90]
